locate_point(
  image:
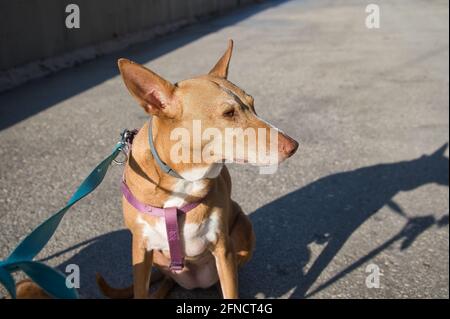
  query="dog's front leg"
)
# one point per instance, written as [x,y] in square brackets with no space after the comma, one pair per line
[142,265]
[226,267]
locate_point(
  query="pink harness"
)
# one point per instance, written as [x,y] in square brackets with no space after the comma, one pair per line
[170,214]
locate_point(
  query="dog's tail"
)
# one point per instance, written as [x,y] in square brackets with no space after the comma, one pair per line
[27,289]
[122,293]
[111,292]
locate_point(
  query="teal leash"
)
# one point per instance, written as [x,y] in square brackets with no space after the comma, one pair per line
[49,279]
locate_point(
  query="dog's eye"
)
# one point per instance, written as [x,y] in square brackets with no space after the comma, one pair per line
[229,113]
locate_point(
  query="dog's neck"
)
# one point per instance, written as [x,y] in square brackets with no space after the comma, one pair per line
[152,185]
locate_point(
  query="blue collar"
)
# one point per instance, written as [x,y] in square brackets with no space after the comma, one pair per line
[166,168]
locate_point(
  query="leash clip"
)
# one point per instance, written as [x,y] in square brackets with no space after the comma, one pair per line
[126,138]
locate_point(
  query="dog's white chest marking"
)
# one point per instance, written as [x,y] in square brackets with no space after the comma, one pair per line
[182,190]
[193,184]
[195,238]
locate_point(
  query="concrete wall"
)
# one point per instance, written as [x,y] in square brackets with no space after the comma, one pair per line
[35,29]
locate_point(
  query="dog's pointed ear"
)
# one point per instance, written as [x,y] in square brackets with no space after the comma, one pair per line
[221,67]
[153,93]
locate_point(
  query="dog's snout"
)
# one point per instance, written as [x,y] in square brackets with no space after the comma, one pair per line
[287,146]
[293,148]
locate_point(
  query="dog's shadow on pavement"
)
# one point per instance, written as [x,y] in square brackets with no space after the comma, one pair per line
[325,212]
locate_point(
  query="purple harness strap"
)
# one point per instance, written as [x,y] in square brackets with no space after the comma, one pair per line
[170,215]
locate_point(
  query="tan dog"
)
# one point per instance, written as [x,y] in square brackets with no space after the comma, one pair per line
[216,236]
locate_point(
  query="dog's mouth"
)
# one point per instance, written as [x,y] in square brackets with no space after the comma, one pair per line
[253,163]
[240,161]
